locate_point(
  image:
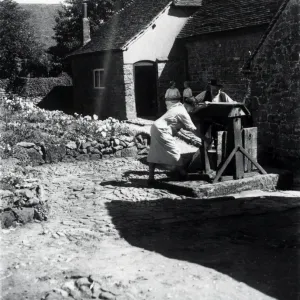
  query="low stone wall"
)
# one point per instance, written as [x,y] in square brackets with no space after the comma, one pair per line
[3,83]
[123,146]
[22,203]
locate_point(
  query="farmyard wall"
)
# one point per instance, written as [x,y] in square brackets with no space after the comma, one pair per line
[221,55]
[275,89]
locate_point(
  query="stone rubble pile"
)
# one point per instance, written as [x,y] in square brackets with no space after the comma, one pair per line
[22,203]
[89,287]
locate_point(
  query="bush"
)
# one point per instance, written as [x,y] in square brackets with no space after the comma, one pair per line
[3,83]
[37,87]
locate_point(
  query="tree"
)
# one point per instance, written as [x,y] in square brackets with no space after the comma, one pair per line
[68,28]
[19,47]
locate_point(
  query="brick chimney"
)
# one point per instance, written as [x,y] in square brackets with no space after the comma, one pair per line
[86,35]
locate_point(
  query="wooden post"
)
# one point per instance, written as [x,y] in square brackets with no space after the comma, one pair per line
[205,131]
[250,145]
[221,147]
[257,165]
[239,162]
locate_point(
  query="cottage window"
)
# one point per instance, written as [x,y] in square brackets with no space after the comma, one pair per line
[99,78]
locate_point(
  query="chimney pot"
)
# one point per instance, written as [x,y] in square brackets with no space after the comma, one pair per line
[84,9]
[86,35]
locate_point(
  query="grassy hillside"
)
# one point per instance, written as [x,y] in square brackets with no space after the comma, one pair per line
[43,20]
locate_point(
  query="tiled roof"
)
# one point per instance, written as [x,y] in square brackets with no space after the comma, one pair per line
[188,3]
[220,15]
[123,26]
[247,65]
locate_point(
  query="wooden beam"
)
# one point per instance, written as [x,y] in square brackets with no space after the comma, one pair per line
[226,163]
[250,146]
[205,132]
[221,147]
[238,142]
[257,165]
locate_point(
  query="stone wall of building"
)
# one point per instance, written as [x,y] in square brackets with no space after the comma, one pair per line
[221,56]
[162,84]
[107,102]
[129,91]
[275,89]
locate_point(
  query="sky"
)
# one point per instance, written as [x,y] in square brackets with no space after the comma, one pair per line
[40,1]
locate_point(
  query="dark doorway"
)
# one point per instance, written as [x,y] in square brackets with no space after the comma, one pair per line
[145,89]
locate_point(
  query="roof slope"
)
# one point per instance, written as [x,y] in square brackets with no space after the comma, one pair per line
[220,15]
[123,26]
[188,3]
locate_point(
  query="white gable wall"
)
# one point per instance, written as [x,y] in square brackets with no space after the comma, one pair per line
[156,43]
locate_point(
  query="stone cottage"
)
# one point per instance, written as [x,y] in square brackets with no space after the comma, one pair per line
[116,73]
[274,71]
[124,69]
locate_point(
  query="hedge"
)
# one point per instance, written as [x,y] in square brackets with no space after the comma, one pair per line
[3,83]
[38,87]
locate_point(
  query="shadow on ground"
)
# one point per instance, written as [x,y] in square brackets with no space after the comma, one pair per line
[136,183]
[255,241]
[186,159]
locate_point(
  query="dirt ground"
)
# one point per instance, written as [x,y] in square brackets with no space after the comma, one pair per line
[135,242]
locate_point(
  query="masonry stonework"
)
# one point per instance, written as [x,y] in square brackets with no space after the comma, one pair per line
[221,56]
[106,102]
[129,91]
[162,85]
[275,89]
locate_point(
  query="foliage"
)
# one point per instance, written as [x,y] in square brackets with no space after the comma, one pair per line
[33,87]
[43,21]
[20,52]
[68,28]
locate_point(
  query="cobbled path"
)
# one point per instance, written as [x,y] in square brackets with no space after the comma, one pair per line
[110,236]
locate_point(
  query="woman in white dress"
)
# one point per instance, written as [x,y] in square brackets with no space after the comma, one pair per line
[187,93]
[172,95]
[188,98]
[163,148]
